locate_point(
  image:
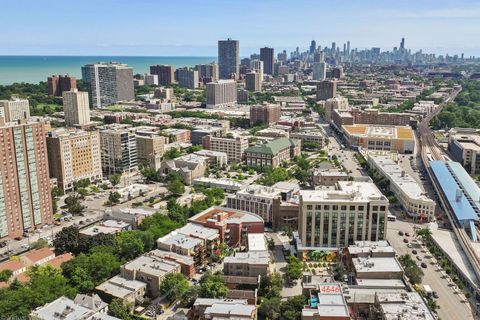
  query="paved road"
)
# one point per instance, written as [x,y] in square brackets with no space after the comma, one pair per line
[451,306]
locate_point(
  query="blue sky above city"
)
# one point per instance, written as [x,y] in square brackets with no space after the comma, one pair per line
[192,27]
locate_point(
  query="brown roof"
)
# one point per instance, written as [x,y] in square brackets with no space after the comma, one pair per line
[241,280]
[23,277]
[58,260]
[38,254]
[241,294]
[13,265]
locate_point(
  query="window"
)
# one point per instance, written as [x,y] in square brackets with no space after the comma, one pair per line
[334,207]
[309,207]
[375,208]
[344,208]
[326,207]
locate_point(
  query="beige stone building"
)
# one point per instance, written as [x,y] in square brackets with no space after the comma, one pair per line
[150,150]
[14,109]
[76,108]
[233,147]
[74,155]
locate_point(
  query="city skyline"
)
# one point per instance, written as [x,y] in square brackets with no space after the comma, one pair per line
[451,27]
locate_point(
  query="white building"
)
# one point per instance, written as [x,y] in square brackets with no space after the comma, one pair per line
[76,108]
[337,103]
[335,217]
[150,79]
[221,93]
[406,189]
[14,109]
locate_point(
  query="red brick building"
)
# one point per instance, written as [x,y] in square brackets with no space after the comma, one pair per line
[58,84]
[233,225]
[265,114]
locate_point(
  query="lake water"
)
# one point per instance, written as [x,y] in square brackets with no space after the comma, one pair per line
[33,69]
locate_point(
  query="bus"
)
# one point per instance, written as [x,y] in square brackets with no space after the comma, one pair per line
[391,217]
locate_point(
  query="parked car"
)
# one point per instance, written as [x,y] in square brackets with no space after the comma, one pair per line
[407,234]
[400,233]
[424,265]
[414,251]
[405,240]
[419,258]
[435,294]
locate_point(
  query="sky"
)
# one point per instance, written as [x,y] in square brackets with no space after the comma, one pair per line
[192,27]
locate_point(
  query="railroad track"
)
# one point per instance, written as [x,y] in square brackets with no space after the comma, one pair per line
[430,150]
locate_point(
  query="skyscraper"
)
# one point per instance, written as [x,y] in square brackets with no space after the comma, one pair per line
[257,66]
[402,44]
[319,70]
[221,93]
[25,198]
[165,74]
[313,46]
[266,55]
[326,89]
[118,150]
[228,58]
[108,83]
[253,82]
[76,108]
[58,84]
[348,47]
[14,109]
[187,78]
[207,71]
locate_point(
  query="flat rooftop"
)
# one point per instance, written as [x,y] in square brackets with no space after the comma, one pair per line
[398,176]
[120,287]
[227,216]
[404,305]
[330,302]
[375,131]
[376,264]
[346,191]
[256,242]
[254,257]
[151,265]
[62,308]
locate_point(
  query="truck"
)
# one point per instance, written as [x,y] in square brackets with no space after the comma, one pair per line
[428,291]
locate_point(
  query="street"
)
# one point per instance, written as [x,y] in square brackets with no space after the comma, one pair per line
[451,305]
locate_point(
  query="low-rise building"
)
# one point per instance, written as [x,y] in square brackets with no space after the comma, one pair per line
[150,270]
[247,264]
[187,263]
[272,153]
[66,309]
[189,167]
[214,157]
[226,184]
[402,305]
[464,145]
[310,137]
[326,302]
[37,257]
[129,291]
[233,225]
[328,177]
[223,309]
[395,139]
[406,189]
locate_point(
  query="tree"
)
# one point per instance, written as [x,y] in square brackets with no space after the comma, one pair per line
[294,268]
[292,308]
[212,286]
[57,192]
[66,240]
[412,271]
[189,297]
[86,271]
[5,275]
[114,197]
[424,232]
[174,286]
[271,285]
[115,178]
[86,244]
[117,308]
[129,245]
[176,187]
[172,154]
[270,308]
[73,204]
[40,243]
